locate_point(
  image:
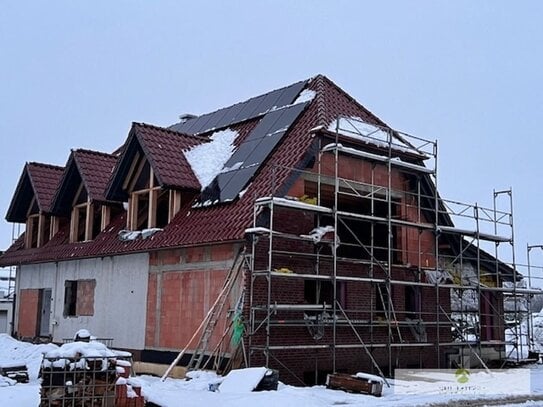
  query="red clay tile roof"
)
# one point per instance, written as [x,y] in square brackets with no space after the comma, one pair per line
[45,179]
[95,169]
[226,222]
[39,180]
[164,150]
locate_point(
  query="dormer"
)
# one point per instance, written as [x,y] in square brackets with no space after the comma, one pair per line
[153,176]
[80,196]
[31,203]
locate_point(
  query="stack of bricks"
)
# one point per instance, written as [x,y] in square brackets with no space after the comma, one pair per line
[127,391]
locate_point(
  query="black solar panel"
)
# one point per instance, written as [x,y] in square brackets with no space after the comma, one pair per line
[241,111]
[250,155]
[251,109]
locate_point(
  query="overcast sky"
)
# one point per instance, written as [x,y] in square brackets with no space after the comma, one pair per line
[467,73]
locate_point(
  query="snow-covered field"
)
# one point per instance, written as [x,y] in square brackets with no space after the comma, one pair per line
[234,390]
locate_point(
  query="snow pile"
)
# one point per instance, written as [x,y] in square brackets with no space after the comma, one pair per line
[83,350]
[13,352]
[242,380]
[208,159]
[6,381]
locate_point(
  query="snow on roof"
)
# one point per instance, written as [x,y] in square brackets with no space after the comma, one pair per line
[305,95]
[207,160]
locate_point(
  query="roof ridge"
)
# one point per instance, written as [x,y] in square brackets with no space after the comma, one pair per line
[168,130]
[254,97]
[46,165]
[96,152]
[320,99]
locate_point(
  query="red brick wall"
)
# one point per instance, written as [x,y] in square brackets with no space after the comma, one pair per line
[151,322]
[184,294]
[359,302]
[28,312]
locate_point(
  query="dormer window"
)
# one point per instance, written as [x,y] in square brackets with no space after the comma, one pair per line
[38,227]
[153,176]
[86,218]
[149,205]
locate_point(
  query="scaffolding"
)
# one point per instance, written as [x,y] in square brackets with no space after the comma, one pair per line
[15,233]
[383,228]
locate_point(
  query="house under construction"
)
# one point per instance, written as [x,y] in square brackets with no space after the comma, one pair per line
[320,244]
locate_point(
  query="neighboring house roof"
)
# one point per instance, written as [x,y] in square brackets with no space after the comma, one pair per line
[93,169]
[164,150]
[37,180]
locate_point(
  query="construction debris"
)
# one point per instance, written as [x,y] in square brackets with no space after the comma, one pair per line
[87,374]
[250,379]
[359,383]
[17,372]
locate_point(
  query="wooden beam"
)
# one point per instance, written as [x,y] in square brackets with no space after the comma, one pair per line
[134,178]
[175,203]
[89,220]
[151,217]
[73,224]
[28,232]
[76,196]
[41,220]
[129,213]
[29,210]
[131,170]
[55,222]
[105,217]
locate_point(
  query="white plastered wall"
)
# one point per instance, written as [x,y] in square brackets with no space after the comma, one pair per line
[120,296]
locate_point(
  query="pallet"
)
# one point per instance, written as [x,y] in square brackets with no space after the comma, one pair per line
[353,384]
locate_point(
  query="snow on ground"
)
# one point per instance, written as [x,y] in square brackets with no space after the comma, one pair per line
[195,390]
[193,393]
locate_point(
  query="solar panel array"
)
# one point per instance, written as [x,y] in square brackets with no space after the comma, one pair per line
[241,111]
[250,155]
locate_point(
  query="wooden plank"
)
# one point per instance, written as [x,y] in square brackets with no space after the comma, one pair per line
[28,232]
[89,218]
[55,221]
[151,216]
[40,230]
[129,213]
[105,217]
[178,372]
[175,204]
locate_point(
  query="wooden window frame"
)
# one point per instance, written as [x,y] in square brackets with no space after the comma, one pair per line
[74,304]
[152,193]
[88,207]
[36,230]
